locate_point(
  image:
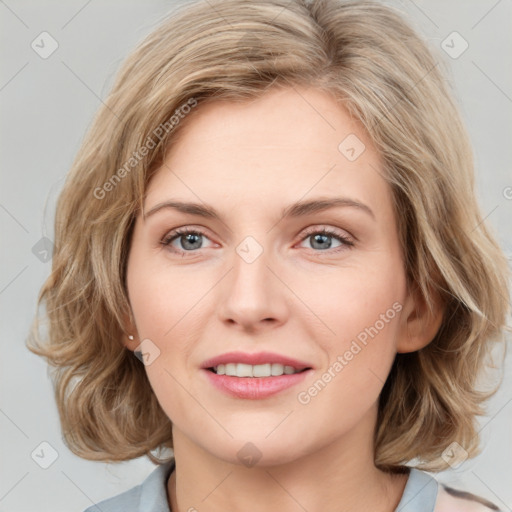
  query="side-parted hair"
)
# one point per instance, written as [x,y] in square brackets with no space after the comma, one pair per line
[383,74]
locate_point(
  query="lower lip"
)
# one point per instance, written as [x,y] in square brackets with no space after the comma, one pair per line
[255,388]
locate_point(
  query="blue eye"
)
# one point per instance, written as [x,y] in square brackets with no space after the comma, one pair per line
[191,240]
[321,237]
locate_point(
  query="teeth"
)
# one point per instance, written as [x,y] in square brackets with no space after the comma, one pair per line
[261,370]
[258,370]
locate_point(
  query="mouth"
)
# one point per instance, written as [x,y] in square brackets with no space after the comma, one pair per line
[254,376]
[255,371]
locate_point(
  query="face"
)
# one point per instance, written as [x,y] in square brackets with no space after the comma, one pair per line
[320,290]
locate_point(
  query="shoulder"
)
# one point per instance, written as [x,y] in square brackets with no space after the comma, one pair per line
[423,492]
[149,496]
[127,501]
[453,500]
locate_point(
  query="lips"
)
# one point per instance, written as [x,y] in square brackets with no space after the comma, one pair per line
[253,387]
[255,359]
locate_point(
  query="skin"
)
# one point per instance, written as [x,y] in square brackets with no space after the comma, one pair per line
[248,161]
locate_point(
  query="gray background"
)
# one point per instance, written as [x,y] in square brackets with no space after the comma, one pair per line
[47,105]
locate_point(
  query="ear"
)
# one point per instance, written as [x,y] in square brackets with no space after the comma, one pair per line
[129,329]
[418,324]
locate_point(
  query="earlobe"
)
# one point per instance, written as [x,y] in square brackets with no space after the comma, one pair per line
[129,336]
[129,341]
[419,325]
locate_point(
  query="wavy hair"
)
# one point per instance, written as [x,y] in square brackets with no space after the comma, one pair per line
[382,73]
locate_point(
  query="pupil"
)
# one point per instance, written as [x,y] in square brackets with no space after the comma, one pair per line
[324,237]
[187,240]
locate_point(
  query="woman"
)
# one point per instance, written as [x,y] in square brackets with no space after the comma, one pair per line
[196,229]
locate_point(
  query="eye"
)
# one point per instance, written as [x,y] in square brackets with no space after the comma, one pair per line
[320,239]
[188,238]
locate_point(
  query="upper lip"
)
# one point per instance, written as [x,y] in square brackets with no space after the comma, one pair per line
[254,359]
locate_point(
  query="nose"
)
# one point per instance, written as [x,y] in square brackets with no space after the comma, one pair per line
[253,295]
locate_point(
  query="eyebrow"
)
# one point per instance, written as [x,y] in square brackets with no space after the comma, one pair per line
[298,209]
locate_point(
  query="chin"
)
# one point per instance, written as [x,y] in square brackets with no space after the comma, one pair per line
[257,451]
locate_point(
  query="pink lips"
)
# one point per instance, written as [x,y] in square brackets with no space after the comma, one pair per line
[254,359]
[254,388]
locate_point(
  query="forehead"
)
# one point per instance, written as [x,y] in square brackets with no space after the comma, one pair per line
[288,144]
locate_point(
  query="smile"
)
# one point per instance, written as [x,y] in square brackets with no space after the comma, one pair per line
[258,370]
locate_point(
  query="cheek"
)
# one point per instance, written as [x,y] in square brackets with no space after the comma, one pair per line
[170,307]
[362,307]
[351,302]
[164,298]
[166,308]
[364,313]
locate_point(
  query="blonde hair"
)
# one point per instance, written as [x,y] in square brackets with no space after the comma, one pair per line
[235,50]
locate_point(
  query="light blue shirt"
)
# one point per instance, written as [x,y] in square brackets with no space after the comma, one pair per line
[419,495]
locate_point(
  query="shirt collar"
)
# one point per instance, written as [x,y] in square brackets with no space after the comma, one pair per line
[420,492]
[153,495]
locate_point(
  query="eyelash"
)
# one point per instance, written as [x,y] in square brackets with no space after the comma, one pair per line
[346,242]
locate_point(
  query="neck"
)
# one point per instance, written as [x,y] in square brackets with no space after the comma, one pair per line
[338,476]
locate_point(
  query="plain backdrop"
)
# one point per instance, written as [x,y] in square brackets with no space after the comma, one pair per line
[47,105]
